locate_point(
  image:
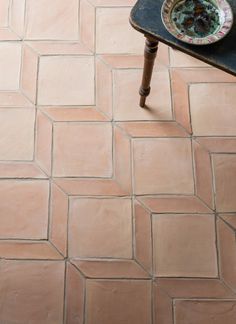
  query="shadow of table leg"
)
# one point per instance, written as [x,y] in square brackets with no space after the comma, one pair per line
[150,53]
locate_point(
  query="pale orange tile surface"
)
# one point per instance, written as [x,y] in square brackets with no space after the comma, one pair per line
[56,19]
[4,13]
[17,134]
[205,311]
[225,181]
[216,115]
[82,149]
[129,300]
[126,101]
[24,209]
[33,289]
[163,166]
[110,213]
[122,39]
[100,228]
[10,62]
[178,252]
[66,81]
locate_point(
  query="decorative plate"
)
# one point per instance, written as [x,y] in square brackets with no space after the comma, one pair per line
[198,22]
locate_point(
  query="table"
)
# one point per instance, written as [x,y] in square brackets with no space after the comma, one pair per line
[146,18]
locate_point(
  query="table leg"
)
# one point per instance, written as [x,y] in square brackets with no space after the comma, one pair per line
[150,53]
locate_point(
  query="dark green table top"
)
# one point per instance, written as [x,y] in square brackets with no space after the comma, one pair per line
[146,18]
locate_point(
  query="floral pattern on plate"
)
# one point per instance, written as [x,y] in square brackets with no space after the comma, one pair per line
[197,22]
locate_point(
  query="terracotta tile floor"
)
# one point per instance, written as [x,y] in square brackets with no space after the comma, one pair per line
[109,213]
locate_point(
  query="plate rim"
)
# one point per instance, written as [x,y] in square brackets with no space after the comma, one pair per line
[207,40]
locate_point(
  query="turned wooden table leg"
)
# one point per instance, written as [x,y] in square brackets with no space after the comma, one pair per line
[150,53]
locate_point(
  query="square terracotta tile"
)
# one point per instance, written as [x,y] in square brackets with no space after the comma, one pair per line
[100,228]
[118,302]
[82,150]
[114,33]
[225,181]
[24,209]
[126,97]
[205,311]
[17,133]
[66,80]
[184,245]
[163,166]
[31,292]
[10,62]
[212,108]
[56,19]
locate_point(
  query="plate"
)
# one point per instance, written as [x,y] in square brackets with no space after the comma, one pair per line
[198,22]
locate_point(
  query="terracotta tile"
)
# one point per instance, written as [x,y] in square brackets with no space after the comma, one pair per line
[75,292]
[230,219]
[182,78]
[17,17]
[118,302]
[143,236]
[82,149]
[58,47]
[178,237]
[4,6]
[200,311]
[29,73]
[58,21]
[126,97]
[226,245]
[31,292]
[180,98]
[31,250]
[115,269]
[162,306]
[137,60]
[17,134]
[65,80]
[87,24]
[163,166]
[7,35]
[225,185]
[123,61]
[122,165]
[180,59]
[24,204]
[14,99]
[104,88]
[164,289]
[20,170]
[114,33]
[203,75]
[112,3]
[218,144]
[10,61]
[73,114]
[203,174]
[212,110]
[107,221]
[153,129]
[194,288]
[43,143]
[174,204]
[91,187]
[59,219]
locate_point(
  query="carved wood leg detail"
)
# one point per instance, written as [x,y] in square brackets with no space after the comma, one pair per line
[150,53]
